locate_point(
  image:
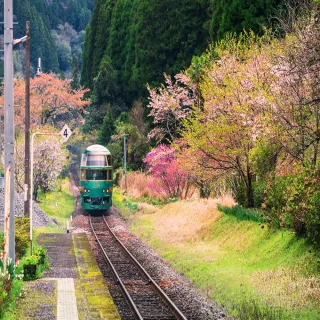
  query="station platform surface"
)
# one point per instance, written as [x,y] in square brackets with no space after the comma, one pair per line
[72,289]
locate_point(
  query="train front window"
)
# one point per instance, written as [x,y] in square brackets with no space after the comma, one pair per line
[97,174]
[96,160]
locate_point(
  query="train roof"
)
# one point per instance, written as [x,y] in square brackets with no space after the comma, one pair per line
[97,149]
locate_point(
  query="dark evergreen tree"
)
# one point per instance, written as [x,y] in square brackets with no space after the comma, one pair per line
[75,82]
[237,15]
[107,129]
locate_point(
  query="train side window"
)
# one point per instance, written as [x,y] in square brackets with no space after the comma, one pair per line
[109,174]
[84,160]
[83,175]
[109,160]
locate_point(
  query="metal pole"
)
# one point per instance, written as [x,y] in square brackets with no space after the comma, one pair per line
[31,190]
[8,115]
[27,126]
[125,160]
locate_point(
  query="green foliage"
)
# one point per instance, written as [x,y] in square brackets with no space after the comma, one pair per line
[237,15]
[242,213]
[34,265]
[75,82]
[293,202]
[22,232]
[274,200]
[131,206]
[107,129]
[133,33]
[258,193]
[250,308]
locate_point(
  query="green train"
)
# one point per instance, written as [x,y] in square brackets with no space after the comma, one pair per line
[96,178]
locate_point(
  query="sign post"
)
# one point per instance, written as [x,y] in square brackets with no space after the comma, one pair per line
[65,133]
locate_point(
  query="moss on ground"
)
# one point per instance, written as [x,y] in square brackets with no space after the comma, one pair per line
[93,298]
[38,301]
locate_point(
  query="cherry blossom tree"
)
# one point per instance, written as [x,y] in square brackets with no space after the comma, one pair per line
[235,109]
[170,104]
[162,163]
[49,159]
[52,101]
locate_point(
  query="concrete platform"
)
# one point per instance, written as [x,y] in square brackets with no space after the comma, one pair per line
[72,289]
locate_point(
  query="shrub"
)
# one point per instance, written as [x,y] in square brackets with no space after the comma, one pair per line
[294,202]
[274,200]
[258,193]
[40,260]
[240,194]
[22,229]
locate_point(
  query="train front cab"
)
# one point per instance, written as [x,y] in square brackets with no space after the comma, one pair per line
[96,182]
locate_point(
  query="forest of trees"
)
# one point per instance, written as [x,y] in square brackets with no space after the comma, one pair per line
[131,43]
[57,32]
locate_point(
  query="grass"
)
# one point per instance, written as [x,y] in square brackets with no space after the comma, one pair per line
[242,213]
[253,272]
[59,206]
[10,305]
[127,205]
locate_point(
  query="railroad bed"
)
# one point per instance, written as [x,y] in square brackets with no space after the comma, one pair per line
[144,297]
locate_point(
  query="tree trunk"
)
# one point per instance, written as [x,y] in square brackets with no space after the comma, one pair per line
[249,189]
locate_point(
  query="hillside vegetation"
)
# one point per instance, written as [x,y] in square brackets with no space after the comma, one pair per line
[56,32]
[256,273]
[132,43]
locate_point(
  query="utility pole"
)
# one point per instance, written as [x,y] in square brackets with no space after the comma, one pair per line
[8,118]
[125,160]
[27,127]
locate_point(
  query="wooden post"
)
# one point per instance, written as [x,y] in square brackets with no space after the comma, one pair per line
[6,218]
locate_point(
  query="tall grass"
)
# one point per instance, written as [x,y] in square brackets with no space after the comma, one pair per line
[242,213]
[139,185]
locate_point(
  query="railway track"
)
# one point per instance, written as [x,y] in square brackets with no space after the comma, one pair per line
[145,298]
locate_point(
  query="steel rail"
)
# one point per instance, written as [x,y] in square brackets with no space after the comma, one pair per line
[123,288]
[174,309]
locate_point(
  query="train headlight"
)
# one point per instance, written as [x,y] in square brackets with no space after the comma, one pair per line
[89,190]
[85,190]
[107,190]
[103,190]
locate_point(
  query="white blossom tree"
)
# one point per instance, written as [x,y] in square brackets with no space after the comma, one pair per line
[49,159]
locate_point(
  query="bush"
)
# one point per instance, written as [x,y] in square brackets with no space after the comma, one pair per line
[22,232]
[40,260]
[312,220]
[258,193]
[294,202]
[274,201]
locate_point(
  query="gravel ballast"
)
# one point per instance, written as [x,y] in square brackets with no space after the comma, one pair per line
[40,218]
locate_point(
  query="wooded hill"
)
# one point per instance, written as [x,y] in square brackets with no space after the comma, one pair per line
[51,38]
[130,43]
